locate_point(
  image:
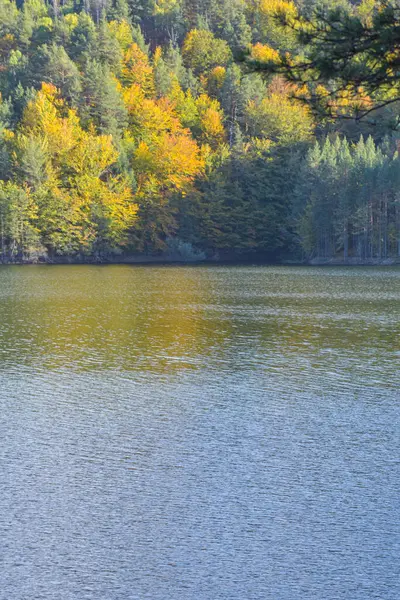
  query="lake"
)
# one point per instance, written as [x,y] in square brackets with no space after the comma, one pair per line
[205,433]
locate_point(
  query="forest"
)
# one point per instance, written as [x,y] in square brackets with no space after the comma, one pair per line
[196,129]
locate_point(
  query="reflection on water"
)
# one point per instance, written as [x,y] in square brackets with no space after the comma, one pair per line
[210,432]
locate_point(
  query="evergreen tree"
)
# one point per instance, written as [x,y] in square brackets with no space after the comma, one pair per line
[104,105]
[62,72]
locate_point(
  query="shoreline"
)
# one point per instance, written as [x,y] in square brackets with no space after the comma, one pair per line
[232,259]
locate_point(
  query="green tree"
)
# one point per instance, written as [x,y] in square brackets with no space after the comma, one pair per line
[104,105]
[62,72]
[202,51]
[352,52]
[19,237]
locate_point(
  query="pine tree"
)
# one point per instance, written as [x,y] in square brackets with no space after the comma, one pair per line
[104,105]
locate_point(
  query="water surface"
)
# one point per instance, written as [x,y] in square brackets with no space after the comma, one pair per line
[206,433]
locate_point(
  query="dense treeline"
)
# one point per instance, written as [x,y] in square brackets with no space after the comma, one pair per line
[349,200]
[135,126]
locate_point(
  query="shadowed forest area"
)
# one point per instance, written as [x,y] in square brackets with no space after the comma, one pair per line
[165,129]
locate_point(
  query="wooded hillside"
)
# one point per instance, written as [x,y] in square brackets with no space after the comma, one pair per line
[148,126]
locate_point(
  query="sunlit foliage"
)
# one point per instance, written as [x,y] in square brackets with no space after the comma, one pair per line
[144,125]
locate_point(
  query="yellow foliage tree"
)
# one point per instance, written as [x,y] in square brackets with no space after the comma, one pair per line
[165,7]
[203,115]
[276,7]
[216,80]
[122,32]
[149,117]
[137,70]
[211,121]
[264,54]
[280,117]
[170,163]
[83,205]
[268,14]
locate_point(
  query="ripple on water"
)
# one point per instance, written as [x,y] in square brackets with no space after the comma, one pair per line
[210,433]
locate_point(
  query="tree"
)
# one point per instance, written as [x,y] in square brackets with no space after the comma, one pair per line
[137,70]
[346,201]
[103,101]
[19,236]
[164,163]
[268,28]
[202,51]
[62,72]
[243,205]
[83,205]
[5,133]
[352,52]
[278,117]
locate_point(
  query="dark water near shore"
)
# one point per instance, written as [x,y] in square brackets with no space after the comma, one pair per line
[206,433]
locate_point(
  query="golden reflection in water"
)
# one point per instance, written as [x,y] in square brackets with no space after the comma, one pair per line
[169,319]
[107,317]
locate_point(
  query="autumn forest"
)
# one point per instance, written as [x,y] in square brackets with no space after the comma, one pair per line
[164,128]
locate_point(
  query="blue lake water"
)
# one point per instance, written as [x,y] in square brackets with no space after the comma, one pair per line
[205,433]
